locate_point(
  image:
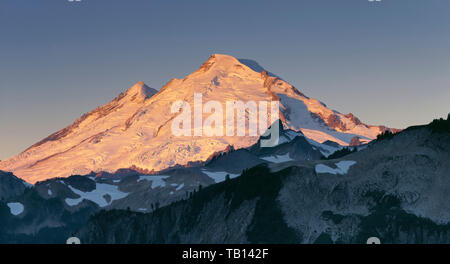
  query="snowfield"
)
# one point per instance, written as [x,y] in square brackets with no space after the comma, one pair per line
[16,208]
[98,195]
[277,158]
[179,187]
[157,181]
[219,176]
[342,167]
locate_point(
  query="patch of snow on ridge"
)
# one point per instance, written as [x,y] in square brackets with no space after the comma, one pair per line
[320,168]
[15,208]
[219,176]
[179,187]
[97,195]
[345,165]
[342,167]
[277,158]
[157,181]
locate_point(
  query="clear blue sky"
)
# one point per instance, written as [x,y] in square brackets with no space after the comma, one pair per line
[388,62]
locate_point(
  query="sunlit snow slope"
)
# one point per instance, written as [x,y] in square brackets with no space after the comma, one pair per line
[134,130]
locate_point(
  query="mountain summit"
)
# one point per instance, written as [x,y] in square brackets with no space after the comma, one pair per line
[140,91]
[134,129]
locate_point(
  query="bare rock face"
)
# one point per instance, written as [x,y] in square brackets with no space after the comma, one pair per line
[354,118]
[334,122]
[355,141]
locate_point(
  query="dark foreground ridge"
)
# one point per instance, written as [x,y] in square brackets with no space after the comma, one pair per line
[396,189]
[247,203]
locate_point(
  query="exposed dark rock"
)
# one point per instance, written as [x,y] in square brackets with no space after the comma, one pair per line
[355,141]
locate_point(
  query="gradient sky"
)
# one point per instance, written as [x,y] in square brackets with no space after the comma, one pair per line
[387,62]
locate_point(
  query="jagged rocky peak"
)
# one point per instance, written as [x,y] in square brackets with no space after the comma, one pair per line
[140,91]
[353,118]
[355,141]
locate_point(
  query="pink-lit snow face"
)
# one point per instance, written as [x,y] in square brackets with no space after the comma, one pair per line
[251,112]
[135,129]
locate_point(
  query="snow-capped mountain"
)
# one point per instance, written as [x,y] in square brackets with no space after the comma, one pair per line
[134,129]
